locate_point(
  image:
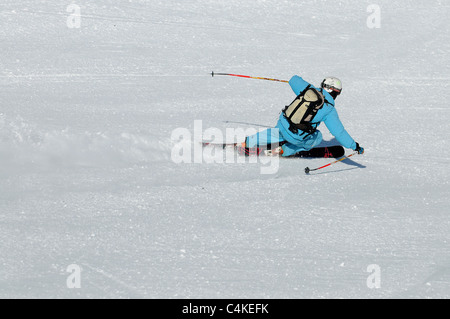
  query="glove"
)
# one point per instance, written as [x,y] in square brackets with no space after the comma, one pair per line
[359,149]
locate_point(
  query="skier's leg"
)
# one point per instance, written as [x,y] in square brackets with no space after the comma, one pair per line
[292,147]
[313,140]
[263,138]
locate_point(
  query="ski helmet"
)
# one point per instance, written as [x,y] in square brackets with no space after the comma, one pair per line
[332,85]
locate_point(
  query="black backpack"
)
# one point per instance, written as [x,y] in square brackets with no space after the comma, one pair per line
[300,113]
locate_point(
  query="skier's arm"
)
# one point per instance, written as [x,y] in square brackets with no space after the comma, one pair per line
[297,84]
[336,128]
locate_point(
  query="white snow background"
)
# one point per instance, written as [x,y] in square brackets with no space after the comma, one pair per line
[86,175]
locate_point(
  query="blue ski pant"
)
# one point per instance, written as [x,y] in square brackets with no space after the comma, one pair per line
[293,143]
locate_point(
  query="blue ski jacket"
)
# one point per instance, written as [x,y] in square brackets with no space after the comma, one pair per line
[326,114]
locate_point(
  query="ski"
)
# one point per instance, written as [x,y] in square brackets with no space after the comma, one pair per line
[318,152]
[238,146]
[223,145]
[325,152]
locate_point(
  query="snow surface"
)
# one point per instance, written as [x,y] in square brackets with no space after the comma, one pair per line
[87,178]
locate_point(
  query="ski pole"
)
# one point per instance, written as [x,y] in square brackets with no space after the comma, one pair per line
[307,169]
[248,77]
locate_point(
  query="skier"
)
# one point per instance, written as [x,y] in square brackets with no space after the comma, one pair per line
[296,130]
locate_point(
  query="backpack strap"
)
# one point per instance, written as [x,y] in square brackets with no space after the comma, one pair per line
[326,101]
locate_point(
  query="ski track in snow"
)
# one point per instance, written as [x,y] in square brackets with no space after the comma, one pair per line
[24,143]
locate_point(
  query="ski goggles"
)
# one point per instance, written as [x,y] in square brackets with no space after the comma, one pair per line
[326,86]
